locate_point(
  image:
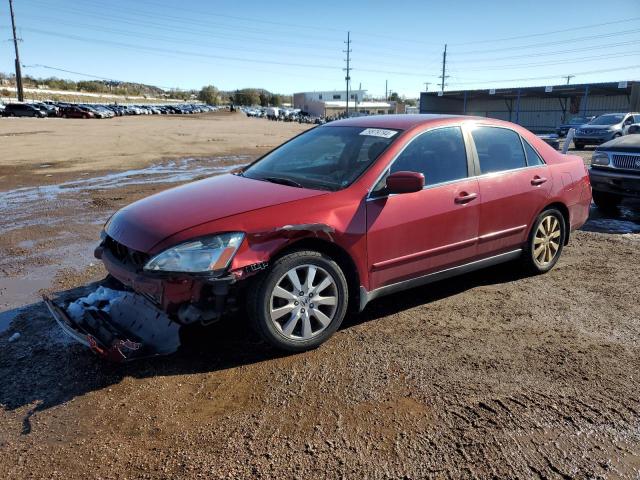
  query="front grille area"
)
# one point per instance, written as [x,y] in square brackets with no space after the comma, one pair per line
[125,254]
[626,161]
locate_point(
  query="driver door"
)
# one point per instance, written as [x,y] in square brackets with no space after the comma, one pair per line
[412,234]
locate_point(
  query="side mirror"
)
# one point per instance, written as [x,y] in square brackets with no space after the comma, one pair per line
[405,182]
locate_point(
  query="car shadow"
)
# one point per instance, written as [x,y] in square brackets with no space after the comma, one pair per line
[42,369]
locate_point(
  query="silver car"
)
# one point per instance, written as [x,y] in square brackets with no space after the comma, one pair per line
[604,128]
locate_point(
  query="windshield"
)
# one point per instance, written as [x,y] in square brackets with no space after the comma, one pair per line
[611,119]
[328,158]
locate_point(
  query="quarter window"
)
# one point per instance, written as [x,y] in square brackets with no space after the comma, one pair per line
[439,155]
[532,156]
[498,149]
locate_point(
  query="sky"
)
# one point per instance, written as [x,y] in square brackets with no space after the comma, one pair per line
[292,46]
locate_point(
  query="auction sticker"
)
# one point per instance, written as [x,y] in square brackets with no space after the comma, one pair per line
[378,132]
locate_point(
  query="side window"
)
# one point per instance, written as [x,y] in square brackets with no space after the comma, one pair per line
[439,155]
[498,149]
[532,156]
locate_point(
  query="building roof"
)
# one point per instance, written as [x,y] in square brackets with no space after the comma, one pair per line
[607,88]
[352,103]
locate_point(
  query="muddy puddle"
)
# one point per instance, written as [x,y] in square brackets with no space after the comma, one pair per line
[19,204]
[623,220]
[51,230]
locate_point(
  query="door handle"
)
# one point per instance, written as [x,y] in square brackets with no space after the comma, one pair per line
[538,180]
[465,197]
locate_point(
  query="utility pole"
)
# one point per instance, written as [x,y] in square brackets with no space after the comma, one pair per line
[15,44]
[568,77]
[347,78]
[426,86]
[386,89]
[444,68]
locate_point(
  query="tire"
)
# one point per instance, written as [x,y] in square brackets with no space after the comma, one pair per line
[288,320]
[606,200]
[549,232]
[578,145]
[617,135]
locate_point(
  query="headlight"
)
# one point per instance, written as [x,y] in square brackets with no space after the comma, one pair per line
[600,158]
[203,255]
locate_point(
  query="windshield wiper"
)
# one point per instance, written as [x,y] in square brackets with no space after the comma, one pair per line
[283,181]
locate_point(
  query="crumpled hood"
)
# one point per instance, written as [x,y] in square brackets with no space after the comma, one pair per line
[147,222]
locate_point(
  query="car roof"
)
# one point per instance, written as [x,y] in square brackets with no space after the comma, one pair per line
[402,121]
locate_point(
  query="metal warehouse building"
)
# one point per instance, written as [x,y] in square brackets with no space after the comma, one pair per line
[539,109]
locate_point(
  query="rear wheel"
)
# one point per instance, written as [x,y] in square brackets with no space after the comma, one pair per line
[606,200]
[300,301]
[545,242]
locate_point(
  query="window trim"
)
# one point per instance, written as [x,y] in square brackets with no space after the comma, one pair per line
[477,157]
[473,161]
[471,168]
[526,157]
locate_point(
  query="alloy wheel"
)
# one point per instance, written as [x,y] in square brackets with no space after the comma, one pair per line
[546,242]
[303,302]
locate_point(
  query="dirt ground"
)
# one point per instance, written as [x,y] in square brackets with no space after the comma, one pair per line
[490,375]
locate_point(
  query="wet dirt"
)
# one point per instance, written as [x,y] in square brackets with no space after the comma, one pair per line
[490,375]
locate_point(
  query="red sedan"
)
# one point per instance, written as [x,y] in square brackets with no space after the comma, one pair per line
[344,213]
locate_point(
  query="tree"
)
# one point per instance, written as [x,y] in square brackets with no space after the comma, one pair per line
[209,95]
[275,100]
[246,96]
[394,97]
[264,98]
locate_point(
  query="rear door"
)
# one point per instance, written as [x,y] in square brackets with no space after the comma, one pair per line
[514,184]
[411,234]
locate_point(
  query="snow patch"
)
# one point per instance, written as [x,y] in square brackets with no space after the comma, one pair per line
[101,299]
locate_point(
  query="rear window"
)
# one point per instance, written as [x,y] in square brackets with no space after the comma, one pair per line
[499,149]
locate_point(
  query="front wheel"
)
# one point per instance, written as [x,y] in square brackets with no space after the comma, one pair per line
[300,301]
[545,242]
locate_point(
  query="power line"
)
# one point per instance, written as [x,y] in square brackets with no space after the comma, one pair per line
[174,40]
[631,67]
[553,62]
[556,52]
[555,42]
[157,50]
[88,75]
[552,32]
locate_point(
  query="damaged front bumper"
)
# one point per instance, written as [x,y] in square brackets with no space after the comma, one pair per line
[126,328]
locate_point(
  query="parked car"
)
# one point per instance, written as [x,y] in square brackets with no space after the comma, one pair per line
[75,111]
[604,128]
[340,215]
[550,139]
[615,171]
[49,110]
[574,122]
[22,110]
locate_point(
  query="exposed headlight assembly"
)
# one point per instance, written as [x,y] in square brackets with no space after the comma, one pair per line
[203,255]
[600,158]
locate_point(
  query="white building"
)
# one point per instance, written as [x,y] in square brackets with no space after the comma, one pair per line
[334,102]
